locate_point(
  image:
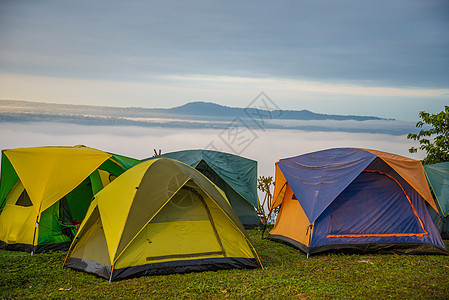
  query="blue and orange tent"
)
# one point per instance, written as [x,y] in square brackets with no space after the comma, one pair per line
[357,200]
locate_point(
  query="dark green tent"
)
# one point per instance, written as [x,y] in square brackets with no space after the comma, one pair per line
[438,179]
[235,175]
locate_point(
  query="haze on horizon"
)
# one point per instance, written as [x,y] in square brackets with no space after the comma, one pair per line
[383,58]
[266,146]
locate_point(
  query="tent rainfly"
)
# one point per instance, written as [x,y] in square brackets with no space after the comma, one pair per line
[235,175]
[355,200]
[45,193]
[438,179]
[160,217]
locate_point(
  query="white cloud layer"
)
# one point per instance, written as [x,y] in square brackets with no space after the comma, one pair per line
[268,147]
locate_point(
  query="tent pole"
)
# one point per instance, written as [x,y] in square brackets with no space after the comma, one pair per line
[310,238]
[66,257]
[34,235]
[110,277]
[213,226]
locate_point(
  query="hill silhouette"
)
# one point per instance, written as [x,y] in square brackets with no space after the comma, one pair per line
[201,108]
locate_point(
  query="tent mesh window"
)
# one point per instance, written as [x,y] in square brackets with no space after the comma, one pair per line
[185,205]
[24,200]
[65,219]
[188,205]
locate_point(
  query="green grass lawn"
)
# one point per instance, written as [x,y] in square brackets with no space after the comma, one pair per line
[288,274]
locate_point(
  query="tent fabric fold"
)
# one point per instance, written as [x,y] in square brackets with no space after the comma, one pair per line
[319,181]
[438,179]
[409,169]
[235,175]
[52,184]
[50,187]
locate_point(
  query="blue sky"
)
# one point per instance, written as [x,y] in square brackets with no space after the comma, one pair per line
[383,58]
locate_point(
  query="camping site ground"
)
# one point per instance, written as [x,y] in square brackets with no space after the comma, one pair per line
[287,274]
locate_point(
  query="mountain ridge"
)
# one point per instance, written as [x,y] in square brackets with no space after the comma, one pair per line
[195,108]
[196,115]
[208,108]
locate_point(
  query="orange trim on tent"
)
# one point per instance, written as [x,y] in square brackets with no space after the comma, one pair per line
[112,270]
[387,234]
[66,257]
[375,235]
[260,263]
[410,170]
[279,188]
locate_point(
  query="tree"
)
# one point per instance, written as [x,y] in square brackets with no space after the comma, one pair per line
[156,153]
[264,185]
[435,141]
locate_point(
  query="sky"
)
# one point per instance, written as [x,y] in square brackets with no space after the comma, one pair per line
[384,58]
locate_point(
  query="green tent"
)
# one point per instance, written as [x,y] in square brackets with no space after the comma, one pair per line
[235,175]
[438,179]
[45,193]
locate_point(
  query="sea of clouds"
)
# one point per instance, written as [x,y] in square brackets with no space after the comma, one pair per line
[266,146]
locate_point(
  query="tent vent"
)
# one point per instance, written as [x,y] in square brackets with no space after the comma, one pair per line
[24,200]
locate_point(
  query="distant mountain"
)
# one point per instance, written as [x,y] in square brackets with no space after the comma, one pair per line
[197,109]
[200,108]
[196,115]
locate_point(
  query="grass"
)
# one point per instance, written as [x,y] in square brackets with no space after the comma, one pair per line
[288,274]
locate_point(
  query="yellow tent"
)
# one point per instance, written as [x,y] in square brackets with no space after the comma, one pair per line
[162,216]
[45,192]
